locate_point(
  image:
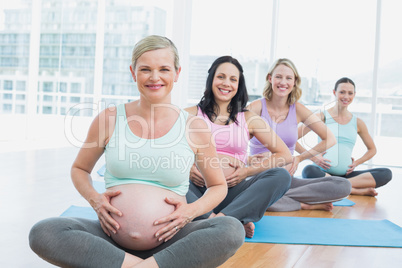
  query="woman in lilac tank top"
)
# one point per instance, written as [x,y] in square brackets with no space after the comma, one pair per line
[281,109]
[251,189]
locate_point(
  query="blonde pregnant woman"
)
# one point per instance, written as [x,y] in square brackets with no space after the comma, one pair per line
[251,189]
[144,220]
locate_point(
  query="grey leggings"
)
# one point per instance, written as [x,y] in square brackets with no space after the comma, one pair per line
[248,200]
[314,191]
[76,242]
[381,175]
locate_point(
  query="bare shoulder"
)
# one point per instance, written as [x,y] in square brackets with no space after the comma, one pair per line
[255,106]
[196,122]
[193,110]
[250,114]
[301,108]
[361,126]
[197,132]
[254,121]
[302,112]
[102,126]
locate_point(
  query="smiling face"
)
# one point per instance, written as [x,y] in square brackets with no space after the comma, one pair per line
[282,80]
[226,82]
[345,93]
[155,75]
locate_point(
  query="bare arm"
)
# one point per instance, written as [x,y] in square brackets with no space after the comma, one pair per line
[81,169]
[367,140]
[312,122]
[193,110]
[280,154]
[207,162]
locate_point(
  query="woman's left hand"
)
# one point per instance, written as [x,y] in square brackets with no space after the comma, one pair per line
[182,215]
[352,166]
[293,166]
[237,176]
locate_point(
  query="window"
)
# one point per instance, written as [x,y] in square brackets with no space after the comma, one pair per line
[326,46]
[388,137]
[7,108]
[20,97]
[19,109]
[75,88]
[21,86]
[7,96]
[8,85]
[236,28]
[47,87]
[75,99]
[63,87]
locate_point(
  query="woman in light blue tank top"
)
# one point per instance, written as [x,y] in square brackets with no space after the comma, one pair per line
[282,111]
[338,160]
[143,217]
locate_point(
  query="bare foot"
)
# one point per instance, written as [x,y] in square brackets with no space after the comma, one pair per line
[212,215]
[249,228]
[323,206]
[364,191]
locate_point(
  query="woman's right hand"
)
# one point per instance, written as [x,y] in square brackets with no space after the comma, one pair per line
[321,161]
[101,205]
[196,176]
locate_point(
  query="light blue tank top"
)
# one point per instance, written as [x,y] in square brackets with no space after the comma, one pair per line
[163,162]
[341,153]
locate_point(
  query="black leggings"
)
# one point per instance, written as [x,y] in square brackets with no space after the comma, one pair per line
[381,175]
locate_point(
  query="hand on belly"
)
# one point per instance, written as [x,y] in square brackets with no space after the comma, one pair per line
[227,168]
[141,205]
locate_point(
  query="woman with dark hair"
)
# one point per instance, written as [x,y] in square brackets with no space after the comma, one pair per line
[282,111]
[251,189]
[338,159]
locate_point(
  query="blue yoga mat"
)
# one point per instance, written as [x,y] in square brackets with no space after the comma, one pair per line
[344,203]
[101,171]
[80,212]
[85,212]
[327,231]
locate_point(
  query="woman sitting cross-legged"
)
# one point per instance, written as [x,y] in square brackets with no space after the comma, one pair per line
[144,219]
[281,109]
[252,189]
[338,160]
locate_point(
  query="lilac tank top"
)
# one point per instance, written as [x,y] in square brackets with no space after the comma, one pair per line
[286,130]
[230,139]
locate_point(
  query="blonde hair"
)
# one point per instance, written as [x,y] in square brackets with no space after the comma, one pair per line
[154,42]
[296,92]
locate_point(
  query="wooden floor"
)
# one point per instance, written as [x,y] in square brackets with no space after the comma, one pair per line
[36,184]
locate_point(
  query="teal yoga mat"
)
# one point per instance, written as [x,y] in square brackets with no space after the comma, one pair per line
[344,203]
[327,231]
[80,212]
[307,231]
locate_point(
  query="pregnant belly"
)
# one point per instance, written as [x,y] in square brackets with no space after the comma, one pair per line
[141,205]
[341,158]
[224,161]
